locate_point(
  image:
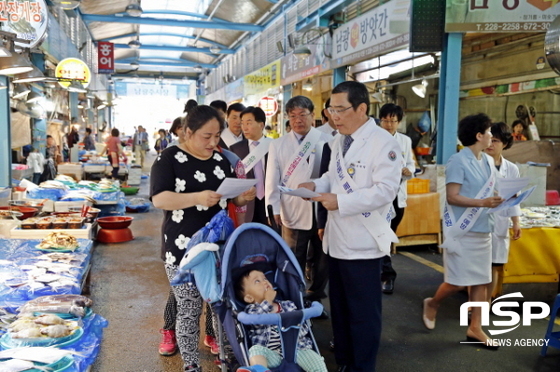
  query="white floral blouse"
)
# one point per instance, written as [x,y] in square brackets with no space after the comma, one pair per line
[177,171]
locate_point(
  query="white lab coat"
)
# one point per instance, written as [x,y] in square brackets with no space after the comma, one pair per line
[376,158]
[36,161]
[295,212]
[405,143]
[229,138]
[500,235]
[327,129]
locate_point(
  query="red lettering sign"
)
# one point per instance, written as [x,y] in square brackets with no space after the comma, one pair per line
[105,58]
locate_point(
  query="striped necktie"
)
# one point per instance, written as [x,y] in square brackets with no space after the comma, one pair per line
[259,174]
[346,145]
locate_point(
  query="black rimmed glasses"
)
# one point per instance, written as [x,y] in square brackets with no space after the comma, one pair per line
[338,111]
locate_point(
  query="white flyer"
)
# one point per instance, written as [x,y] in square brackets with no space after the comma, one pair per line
[508,187]
[513,201]
[301,192]
[232,187]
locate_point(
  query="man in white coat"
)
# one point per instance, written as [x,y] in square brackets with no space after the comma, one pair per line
[293,159]
[391,116]
[358,189]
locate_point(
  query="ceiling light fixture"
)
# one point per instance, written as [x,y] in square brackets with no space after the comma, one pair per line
[14,64]
[101,106]
[76,87]
[20,91]
[134,44]
[308,85]
[67,4]
[4,52]
[420,89]
[134,9]
[377,96]
[34,97]
[302,52]
[34,75]
[215,50]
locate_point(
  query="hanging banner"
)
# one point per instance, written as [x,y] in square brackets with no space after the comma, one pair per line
[262,79]
[379,31]
[27,19]
[500,16]
[70,69]
[151,90]
[269,105]
[295,68]
[105,57]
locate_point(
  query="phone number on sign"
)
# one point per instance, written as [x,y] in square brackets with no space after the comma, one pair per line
[513,26]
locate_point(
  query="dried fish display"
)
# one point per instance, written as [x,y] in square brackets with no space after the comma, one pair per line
[62,304]
[59,240]
[48,325]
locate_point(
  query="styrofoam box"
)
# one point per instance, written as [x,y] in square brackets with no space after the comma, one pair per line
[48,205]
[62,206]
[94,168]
[87,233]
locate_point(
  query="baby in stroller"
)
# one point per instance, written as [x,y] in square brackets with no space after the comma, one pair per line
[253,288]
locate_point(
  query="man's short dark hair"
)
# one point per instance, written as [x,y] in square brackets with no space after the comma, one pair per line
[357,93]
[88,130]
[470,126]
[219,105]
[238,107]
[390,110]
[258,113]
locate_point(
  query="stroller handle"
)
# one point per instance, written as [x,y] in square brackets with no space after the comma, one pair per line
[315,310]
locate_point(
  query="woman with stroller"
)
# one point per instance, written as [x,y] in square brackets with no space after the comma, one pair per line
[183,181]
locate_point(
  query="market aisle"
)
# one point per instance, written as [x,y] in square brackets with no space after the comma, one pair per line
[129,289]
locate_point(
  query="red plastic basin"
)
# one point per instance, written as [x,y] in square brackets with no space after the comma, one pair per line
[27,211]
[115,222]
[114,236]
[552,197]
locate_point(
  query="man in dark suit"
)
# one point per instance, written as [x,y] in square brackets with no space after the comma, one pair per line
[233,133]
[253,152]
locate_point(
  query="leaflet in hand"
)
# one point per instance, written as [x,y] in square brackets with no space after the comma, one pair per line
[508,187]
[233,187]
[301,192]
[512,202]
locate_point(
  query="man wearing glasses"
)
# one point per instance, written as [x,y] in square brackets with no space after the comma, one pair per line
[391,116]
[292,159]
[361,183]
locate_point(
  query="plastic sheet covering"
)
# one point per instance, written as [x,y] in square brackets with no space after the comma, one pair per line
[110,196]
[23,254]
[203,267]
[138,205]
[42,193]
[87,346]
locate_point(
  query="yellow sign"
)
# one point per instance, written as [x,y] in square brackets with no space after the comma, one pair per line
[70,69]
[262,79]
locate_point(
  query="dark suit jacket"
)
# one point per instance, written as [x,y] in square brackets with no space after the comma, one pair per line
[222,144]
[241,149]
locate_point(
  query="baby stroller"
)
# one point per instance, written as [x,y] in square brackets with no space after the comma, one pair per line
[257,240]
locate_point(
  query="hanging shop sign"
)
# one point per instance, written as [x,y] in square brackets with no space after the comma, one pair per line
[379,31]
[269,105]
[105,57]
[295,68]
[500,16]
[513,88]
[28,19]
[70,69]
[262,79]
[234,91]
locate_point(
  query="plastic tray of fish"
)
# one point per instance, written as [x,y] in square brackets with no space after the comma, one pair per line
[35,359]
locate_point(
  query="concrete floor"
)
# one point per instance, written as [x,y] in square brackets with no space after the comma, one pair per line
[129,288]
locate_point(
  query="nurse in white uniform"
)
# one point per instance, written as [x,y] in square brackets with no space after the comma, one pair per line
[502,139]
[470,182]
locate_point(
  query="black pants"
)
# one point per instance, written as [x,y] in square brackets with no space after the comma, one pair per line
[355,300]
[299,241]
[387,271]
[115,170]
[259,213]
